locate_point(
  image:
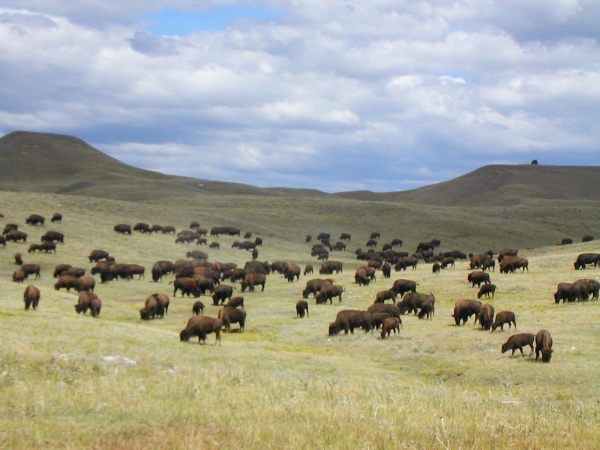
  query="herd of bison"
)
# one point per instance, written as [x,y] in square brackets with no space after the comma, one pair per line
[196,276]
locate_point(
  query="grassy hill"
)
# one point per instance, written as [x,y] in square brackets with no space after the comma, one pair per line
[44,162]
[284,382]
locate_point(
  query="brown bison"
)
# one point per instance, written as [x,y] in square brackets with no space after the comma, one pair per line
[329,267]
[53,236]
[187,286]
[97,255]
[588,287]
[234,302]
[348,320]
[56,218]
[18,259]
[169,229]
[427,309]
[345,237]
[486,316]
[308,269]
[390,324]
[291,271]
[382,296]
[478,278]
[506,252]
[510,264]
[31,297]
[253,279]
[201,326]
[31,269]
[67,282]
[222,293]
[232,315]
[587,238]
[361,278]
[60,268]
[85,283]
[403,286]
[19,276]
[3,241]
[88,300]
[392,310]
[75,271]
[463,309]
[122,228]
[136,269]
[413,301]
[35,219]
[504,317]
[313,286]
[486,290]
[156,305]
[16,236]
[517,342]
[567,292]
[46,246]
[198,308]
[302,308]
[435,268]
[585,259]
[328,292]
[543,345]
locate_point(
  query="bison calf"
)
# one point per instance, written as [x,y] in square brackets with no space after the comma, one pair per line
[518,341]
[502,318]
[390,324]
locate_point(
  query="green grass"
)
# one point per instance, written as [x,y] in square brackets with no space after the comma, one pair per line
[284,383]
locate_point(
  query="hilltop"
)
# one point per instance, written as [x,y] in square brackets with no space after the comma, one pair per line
[53,163]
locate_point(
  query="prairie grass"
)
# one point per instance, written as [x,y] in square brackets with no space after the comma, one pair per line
[284,383]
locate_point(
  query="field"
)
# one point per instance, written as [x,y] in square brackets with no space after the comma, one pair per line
[284,383]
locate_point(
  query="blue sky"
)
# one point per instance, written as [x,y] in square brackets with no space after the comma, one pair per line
[170,21]
[335,95]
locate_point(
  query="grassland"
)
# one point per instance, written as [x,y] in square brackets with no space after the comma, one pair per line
[284,383]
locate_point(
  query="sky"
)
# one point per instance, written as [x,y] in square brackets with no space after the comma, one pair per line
[334,95]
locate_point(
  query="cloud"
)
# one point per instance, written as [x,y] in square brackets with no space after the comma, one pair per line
[341,95]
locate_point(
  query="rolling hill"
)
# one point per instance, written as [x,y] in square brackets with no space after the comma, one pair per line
[52,163]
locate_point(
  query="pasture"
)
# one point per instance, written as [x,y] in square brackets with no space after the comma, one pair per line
[284,383]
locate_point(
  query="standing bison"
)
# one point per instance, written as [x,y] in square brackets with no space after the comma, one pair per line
[35,219]
[122,228]
[543,345]
[201,326]
[302,308]
[31,297]
[478,277]
[517,342]
[463,309]
[348,320]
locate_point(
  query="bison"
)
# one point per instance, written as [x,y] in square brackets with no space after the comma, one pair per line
[16,236]
[253,279]
[97,255]
[402,286]
[486,316]
[382,296]
[302,308]
[348,320]
[463,309]
[19,276]
[53,236]
[122,228]
[392,310]
[517,342]
[313,286]
[413,301]
[478,278]
[201,326]
[31,269]
[84,283]
[390,324]
[198,308]
[35,219]
[543,345]
[328,292]
[567,292]
[88,300]
[31,297]
[222,293]
[502,318]
[56,218]
[585,259]
[67,282]
[234,302]
[232,315]
[486,290]
[156,305]
[187,286]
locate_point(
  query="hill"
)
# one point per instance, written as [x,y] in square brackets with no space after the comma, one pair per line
[500,185]
[52,163]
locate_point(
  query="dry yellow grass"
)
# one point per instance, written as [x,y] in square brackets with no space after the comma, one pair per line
[284,383]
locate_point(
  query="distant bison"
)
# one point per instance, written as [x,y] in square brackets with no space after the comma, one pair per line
[517,342]
[486,316]
[97,255]
[566,241]
[478,277]
[142,227]
[232,315]
[201,326]
[122,228]
[348,320]
[486,290]
[413,301]
[56,218]
[198,308]
[16,236]
[345,237]
[253,279]
[328,292]
[543,345]
[587,238]
[31,269]
[390,324]
[35,219]
[510,264]
[84,283]
[187,286]
[382,296]
[302,308]
[67,282]
[313,286]
[31,297]
[53,236]
[402,286]
[585,259]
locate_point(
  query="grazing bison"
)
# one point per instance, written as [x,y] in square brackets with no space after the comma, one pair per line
[308,238]
[253,279]
[402,286]
[3,241]
[566,241]
[84,283]
[198,308]
[205,284]
[397,241]
[247,235]
[382,296]
[506,252]
[201,326]
[375,235]
[435,268]
[292,271]
[31,269]
[194,225]
[16,236]
[19,276]
[56,218]
[31,297]
[371,243]
[136,269]
[114,272]
[486,316]
[18,259]
[214,245]
[258,242]
[84,302]
[585,259]
[157,272]
[487,264]
[448,261]
[390,324]
[75,271]
[345,237]
[222,293]
[386,270]
[478,277]
[328,292]
[302,308]
[427,309]
[169,229]
[35,219]
[361,278]
[588,287]
[97,255]
[330,267]
[406,261]
[543,345]
[413,301]
[567,292]
[313,286]
[142,227]
[502,318]
[67,282]
[511,263]
[122,228]
[392,310]
[486,290]
[234,302]
[8,227]
[196,254]
[377,320]
[517,342]
[60,268]
[463,309]
[156,305]
[187,286]
[308,269]
[232,315]
[53,236]
[348,320]
[587,238]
